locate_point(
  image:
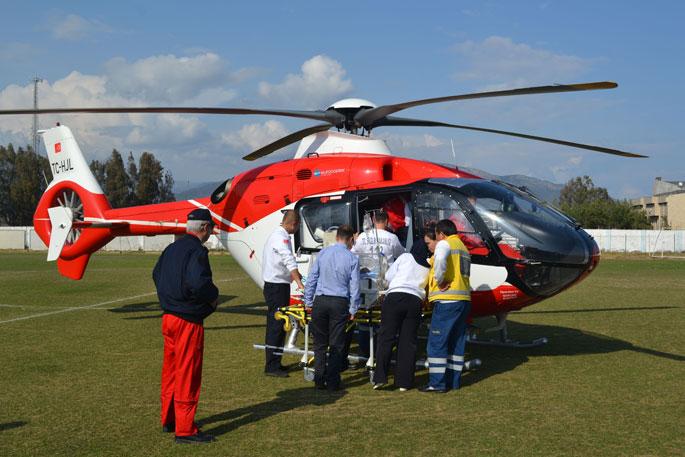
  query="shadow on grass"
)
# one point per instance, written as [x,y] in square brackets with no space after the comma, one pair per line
[11,425]
[597,310]
[235,327]
[286,400]
[153,306]
[563,341]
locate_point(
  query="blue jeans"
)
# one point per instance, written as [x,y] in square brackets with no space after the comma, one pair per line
[446,343]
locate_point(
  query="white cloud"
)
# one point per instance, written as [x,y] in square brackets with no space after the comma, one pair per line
[500,62]
[320,83]
[566,170]
[200,79]
[254,136]
[73,27]
[411,142]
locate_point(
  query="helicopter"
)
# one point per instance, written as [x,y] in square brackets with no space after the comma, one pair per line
[523,250]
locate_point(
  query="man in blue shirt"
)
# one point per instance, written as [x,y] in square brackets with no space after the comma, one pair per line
[333,291]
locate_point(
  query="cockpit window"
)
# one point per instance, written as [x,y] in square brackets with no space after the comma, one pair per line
[434,204]
[222,191]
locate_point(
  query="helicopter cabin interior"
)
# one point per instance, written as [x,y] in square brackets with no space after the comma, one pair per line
[409,210]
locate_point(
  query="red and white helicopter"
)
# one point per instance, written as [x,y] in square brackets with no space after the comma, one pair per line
[523,250]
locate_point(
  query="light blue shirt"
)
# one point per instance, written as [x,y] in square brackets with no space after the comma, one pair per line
[336,273]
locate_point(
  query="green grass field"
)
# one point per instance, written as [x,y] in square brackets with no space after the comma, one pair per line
[80,375]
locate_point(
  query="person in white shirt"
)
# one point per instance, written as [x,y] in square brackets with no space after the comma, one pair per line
[279,269]
[389,244]
[401,313]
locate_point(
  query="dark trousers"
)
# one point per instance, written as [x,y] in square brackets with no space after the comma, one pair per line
[329,316]
[275,295]
[401,313]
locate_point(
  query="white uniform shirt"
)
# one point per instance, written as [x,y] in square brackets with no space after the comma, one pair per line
[278,259]
[442,252]
[405,275]
[388,242]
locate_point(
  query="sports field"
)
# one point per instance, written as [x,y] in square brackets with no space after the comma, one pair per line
[81,362]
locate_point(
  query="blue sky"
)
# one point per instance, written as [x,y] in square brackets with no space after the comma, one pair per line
[306,55]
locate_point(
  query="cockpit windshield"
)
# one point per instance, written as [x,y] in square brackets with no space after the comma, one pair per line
[524,227]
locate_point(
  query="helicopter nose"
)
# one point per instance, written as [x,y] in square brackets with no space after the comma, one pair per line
[547,275]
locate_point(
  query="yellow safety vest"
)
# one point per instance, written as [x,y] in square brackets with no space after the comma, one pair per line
[457,273]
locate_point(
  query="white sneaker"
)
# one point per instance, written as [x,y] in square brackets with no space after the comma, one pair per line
[378,385]
[403,389]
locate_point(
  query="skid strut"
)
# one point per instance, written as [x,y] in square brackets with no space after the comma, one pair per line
[503,340]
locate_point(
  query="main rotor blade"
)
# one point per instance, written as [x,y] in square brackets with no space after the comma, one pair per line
[326,116]
[368,117]
[400,121]
[285,141]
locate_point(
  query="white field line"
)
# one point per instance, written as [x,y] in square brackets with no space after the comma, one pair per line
[2,305]
[95,305]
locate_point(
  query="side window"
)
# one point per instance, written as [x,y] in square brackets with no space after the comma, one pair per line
[432,205]
[320,221]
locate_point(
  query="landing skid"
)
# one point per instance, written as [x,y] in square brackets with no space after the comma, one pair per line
[503,340]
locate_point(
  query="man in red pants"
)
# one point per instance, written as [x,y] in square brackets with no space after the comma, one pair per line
[187,295]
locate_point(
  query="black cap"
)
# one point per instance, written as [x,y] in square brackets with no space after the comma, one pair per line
[200,214]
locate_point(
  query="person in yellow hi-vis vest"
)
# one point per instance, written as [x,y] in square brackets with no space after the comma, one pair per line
[449,291]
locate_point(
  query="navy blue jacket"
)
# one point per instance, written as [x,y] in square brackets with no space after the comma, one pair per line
[184,280]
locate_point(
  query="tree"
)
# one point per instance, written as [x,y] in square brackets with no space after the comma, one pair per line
[98,169]
[27,185]
[132,170]
[117,182]
[166,189]
[580,191]
[154,186]
[7,158]
[592,207]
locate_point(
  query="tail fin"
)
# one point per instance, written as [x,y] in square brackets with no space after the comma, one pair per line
[67,232]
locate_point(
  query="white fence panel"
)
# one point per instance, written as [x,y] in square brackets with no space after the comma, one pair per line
[33,241]
[645,241]
[12,239]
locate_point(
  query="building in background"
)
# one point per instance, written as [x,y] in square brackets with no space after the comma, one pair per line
[666,207]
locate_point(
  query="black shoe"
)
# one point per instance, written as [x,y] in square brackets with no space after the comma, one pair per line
[277,374]
[198,438]
[335,388]
[433,390]
[168,428]
[285,368]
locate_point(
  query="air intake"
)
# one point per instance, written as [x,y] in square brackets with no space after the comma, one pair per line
[304,174]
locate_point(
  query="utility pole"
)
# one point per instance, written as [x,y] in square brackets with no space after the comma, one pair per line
[35,82]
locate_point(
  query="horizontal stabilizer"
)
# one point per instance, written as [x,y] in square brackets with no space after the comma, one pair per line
[88,224]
